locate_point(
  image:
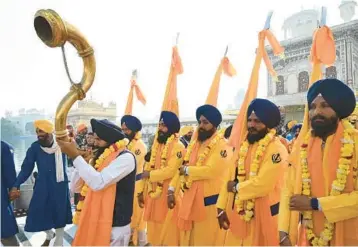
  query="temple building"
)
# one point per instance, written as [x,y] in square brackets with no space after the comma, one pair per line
[294,71]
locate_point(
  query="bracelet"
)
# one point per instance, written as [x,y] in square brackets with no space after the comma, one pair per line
[170,194]
[284,238]
[221,213]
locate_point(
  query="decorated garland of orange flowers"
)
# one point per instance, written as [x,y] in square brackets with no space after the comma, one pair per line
[338,184]
[107,152]
[164,159]
[246,213]
[186,181]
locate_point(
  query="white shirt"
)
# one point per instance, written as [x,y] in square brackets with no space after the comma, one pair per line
[113,173]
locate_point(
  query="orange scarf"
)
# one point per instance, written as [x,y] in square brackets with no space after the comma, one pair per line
[265,233]
[156,209]
[96,219]
[323,169]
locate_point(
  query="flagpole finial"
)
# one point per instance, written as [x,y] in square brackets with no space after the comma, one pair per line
[177,39]
[323,16]
[268,20]
[226,50]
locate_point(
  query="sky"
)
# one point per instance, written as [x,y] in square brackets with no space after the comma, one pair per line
[129,35]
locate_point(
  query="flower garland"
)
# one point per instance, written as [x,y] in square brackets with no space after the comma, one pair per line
[107,152]
[247,213]
[137,136]
[164,156]
[186,181]
[338,184]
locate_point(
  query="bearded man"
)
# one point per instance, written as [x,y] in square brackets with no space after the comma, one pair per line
[249,200]
[166,158]
[320,199]
[205,163]
[132,126]
[108,187]
[50,203]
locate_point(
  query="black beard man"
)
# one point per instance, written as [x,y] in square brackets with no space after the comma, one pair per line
[163,137]
[256,135]
[203,135]
[322,126]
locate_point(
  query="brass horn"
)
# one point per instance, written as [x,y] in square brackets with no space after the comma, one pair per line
[55,32]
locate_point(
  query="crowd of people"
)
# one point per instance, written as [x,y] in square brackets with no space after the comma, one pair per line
[191,187]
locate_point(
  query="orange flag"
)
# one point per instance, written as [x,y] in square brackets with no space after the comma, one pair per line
[138,92]
[170,102]
[239,130]
[323,52]
[226,67]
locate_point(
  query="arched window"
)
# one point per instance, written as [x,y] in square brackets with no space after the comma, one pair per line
[331,72]
[303,80]
[280,85]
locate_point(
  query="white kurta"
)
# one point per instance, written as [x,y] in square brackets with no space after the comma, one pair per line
[118,169]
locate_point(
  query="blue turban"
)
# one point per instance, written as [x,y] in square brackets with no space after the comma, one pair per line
[132,123]
[107,131]
[296,127]
[211,113]
[337,94]
[171,121]
[266,111]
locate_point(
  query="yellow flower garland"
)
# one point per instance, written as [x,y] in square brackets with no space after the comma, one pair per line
[108,151]
[338,184]
[247,213]
[164,159]
[186,181]
[130,146]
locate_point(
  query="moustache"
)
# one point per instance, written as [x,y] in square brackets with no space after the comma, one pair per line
[319,117]
[251,129]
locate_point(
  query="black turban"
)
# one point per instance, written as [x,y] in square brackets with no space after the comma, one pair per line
[337,94]
[132,123]
[266,111]
[170,120]
[211,113]
[107,131]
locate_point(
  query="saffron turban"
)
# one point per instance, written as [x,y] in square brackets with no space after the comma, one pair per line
[81,127]
[44,125]
[171,121]
[337,94]
[132,123]
[107,131]
[266,111]
[211,113]
[291,124]
[185,130]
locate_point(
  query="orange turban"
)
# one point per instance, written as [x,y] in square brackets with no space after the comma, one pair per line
[44,125]
[81,127]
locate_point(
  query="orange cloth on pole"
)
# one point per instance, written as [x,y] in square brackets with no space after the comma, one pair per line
[139,94]
[226,67]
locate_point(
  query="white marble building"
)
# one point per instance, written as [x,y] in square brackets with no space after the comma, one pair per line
[294,71]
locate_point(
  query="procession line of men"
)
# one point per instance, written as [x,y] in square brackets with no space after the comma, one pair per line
[207,193]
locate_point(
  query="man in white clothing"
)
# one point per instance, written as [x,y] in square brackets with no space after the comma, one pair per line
[106,186]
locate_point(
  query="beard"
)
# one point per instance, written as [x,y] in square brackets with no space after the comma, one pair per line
[163,137]
[324,128]
[255,137]
[45,141]
[203,135]
[131,136]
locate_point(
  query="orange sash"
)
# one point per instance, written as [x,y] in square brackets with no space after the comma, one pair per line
[265,233]
[156,208]
[323,170]
[192,206]
[95,225]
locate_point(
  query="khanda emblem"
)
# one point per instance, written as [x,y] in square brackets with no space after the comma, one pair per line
[276,158]
[223,153]
[179,155]
[137,152]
